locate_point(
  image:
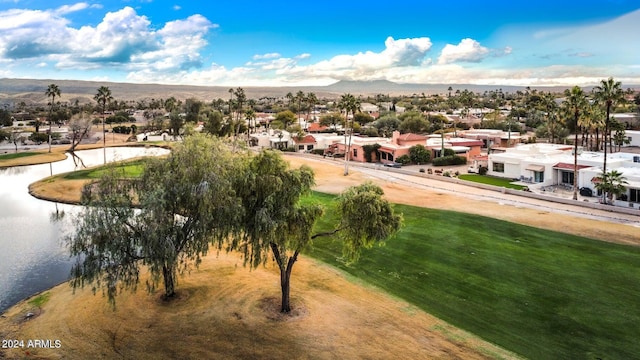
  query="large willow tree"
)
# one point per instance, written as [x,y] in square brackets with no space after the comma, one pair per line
[278,225]
[164,220]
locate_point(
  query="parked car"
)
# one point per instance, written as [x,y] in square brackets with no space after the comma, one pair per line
[585,191]
[393,165]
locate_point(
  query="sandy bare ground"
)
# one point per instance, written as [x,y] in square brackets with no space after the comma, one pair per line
[225,311]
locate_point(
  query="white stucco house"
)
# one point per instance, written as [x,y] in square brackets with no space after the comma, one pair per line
[553,164]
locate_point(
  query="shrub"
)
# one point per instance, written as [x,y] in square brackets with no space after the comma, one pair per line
[404,159]
[482,170]
[450,160]
[317,151]
[39,137]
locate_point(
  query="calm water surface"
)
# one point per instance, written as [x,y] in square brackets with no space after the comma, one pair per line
[33,257]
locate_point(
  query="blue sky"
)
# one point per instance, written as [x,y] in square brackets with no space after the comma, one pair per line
[275,43]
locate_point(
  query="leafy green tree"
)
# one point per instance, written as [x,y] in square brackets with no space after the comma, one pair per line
[611,184]
[215,123]
[387,124]
[287,118]
[276,224]
[413,122]
[185,202]
[362,118]
[332,120]
[192,109]
[5,118]
[52,91]
[176,122]
[103,97]
[608,93]
[419,154]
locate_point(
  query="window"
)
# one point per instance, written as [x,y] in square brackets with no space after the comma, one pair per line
[355,153]
[538,176]
[498,167]
[300,147]
[567,177]
[634,195]
[310,147]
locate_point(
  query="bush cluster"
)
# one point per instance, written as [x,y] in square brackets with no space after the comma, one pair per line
[449,160]
[404,159]
[124,129]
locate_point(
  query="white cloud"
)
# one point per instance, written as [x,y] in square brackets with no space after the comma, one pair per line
[468,50]
[273,55]
[123,40]
[66,9]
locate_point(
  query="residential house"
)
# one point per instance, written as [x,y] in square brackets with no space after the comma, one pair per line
[553,164]
[305,144]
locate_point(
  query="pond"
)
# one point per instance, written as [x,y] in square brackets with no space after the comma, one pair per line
[33,256]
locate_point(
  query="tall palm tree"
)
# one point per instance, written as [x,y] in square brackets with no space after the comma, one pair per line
[575,105]
[608,93]
[52,91]
[241,98]
[300,97]
[348,103]
[312,100]
[103,97]
[289,97]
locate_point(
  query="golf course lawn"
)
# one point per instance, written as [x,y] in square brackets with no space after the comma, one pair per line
[542,294]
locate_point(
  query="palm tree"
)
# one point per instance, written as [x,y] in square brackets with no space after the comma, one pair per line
[611,184]
[300,97]
[241,97]
[289,97]
[52,92]
[250,115]
[103,97]
[608,93]
[312,100]
[348,103]
[575,106]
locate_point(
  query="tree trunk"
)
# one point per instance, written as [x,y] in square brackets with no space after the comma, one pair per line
[605,136]
[168,274]
[575,162]
[285,277]
[285,287]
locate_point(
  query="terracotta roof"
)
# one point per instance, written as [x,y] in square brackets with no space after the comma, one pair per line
[411,137]
[309,139]
[567,166]
[316,127]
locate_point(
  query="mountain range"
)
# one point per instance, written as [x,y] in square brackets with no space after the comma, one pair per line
[32,91]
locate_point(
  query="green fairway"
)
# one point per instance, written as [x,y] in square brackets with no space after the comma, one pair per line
[541,294]
[18,155]
[130,169]
[490,180]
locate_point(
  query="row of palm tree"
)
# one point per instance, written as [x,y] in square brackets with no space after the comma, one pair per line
[578,107]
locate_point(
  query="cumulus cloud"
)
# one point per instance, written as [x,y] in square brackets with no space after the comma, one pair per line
[273,55]
[468,50]
[123,38]
[366,65]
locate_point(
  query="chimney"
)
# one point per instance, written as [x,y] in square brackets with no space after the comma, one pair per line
[395,136]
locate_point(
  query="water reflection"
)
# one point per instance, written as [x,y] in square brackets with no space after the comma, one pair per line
[32,255]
